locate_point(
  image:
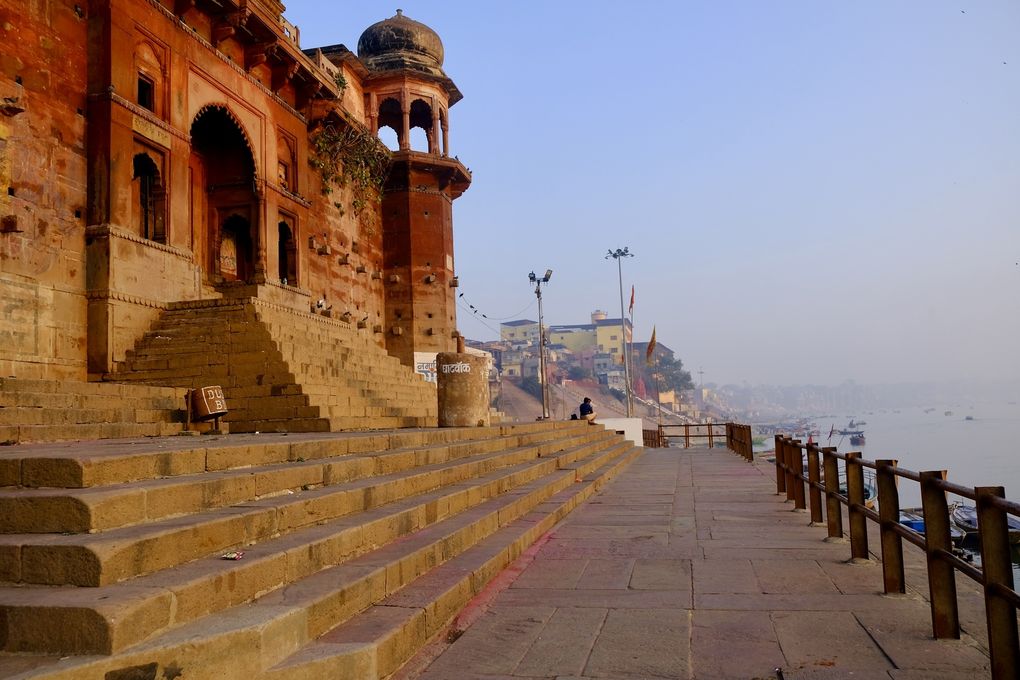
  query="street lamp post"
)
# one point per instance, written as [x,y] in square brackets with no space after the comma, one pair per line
[538,281]
[618,255]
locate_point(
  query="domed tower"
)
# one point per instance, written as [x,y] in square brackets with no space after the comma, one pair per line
[406,89]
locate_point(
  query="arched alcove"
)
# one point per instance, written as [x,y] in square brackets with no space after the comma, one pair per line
[149,198]
[223,162]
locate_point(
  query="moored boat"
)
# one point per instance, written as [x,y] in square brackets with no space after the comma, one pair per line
[965,517]
[913,518]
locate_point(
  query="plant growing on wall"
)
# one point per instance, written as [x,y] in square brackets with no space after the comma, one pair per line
[341,83]
[350,156]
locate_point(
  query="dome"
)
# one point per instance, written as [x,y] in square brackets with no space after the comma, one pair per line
[401,43]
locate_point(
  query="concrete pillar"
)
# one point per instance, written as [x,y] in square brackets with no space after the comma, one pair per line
[463,390]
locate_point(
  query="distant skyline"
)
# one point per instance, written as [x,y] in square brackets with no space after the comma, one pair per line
[814,191]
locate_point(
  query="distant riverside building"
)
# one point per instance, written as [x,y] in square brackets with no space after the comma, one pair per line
[523,331]
[596,347]
[601,335]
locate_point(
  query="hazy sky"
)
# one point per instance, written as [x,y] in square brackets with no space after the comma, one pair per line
[815,190]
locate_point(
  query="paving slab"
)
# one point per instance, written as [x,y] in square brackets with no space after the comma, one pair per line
[689,566]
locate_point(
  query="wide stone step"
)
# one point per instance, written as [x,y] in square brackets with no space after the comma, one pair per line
[152,604]
[376,642]
[101,508]
[89,401]
[121,554]
[24,415]
[117,462]
[22,434]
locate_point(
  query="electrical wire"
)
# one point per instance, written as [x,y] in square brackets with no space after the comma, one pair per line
[476,311]
[476,316]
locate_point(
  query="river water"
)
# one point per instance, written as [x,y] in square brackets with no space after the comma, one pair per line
[984,451]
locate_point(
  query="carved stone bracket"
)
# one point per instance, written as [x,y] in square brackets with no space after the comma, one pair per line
[283,74]
[258,54]
[307,92]
[226,26]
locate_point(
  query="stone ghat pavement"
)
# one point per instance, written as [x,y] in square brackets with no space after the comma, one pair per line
[688,565]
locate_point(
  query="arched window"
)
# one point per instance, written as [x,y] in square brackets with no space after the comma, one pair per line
[388,136]
[287,255]
[149,88]
[421,127]
[390,116]
[286,165]
[150,199]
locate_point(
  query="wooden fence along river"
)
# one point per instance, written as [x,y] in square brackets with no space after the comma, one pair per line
[736,437]
[821,489]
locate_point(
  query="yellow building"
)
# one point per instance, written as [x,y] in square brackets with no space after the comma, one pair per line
[523,331]
[577,339]
[609,336]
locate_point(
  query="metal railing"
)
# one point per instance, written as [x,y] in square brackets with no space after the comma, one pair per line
[821,488]
[735,436]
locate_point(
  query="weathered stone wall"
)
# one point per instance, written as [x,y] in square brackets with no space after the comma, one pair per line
[42,189]
[83,274]
[136,277]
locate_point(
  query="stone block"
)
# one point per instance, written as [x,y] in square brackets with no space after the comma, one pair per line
[229,457]
[271,482]
[221,585]
[319,509]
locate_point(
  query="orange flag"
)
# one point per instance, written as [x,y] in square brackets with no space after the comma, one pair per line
[651,348]
[631,312]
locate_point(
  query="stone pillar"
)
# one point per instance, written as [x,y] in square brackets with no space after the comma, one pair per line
[463,390]
[405,126]
[373,114]
[436,135]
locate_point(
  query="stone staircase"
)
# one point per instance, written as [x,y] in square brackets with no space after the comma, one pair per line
[54,410]
[281,369]
[358,547]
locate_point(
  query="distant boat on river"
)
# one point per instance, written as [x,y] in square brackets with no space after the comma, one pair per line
[853,431]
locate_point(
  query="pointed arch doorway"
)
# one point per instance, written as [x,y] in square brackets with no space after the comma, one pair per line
[225,198]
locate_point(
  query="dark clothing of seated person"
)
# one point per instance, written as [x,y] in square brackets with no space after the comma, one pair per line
[587,411]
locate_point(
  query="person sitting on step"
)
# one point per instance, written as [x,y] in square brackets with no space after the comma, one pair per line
[587,411]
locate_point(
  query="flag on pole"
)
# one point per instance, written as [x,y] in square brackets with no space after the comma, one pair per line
[651,348]
[631,312]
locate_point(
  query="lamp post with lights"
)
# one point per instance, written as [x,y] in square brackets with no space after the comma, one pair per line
[538,281]
[618,255]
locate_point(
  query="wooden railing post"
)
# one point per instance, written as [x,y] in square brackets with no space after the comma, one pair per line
[711,434]
[814,478]
[687,435]
[945,615]
[993,530]
[889,517]
[780,461]
[833,508]
[791,483]
[797,465]
[855,496]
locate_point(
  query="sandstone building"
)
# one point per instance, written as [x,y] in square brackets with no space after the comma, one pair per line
[160,155]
